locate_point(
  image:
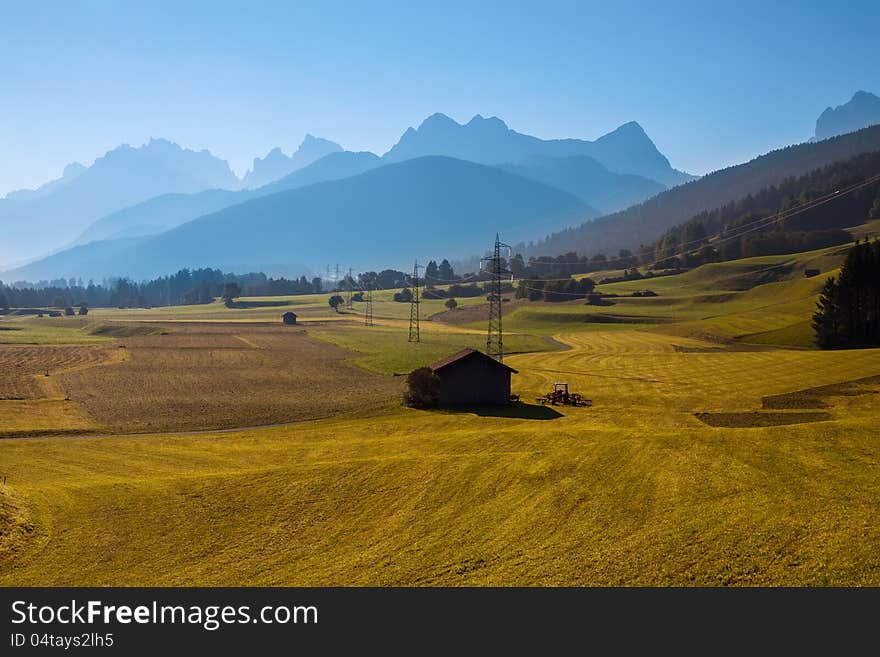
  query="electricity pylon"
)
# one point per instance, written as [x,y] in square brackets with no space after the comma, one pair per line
[414,306]
[495,334]
[368,307]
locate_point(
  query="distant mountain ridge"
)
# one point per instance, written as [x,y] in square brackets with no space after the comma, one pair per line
[34,223]
[171,210]
[277,165]
[454,205]
[861,111]
[132,192]
[490,141]
[590,181]
[602,190]
[71,172]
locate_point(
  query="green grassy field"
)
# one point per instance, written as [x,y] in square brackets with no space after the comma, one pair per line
[693,466]
[49,330]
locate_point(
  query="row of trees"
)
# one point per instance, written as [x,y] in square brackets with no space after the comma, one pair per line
[439,274]
[848,311]
[562,290]
[450,292]
[776,242]
[185,287]
[388,279]
[569,264]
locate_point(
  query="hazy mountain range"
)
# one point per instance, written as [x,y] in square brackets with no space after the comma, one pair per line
[53,215]
[489,141]
[442,187]
[862,110]
[169,210]
[277,165]
[588,180]
[150,189]
[384,215]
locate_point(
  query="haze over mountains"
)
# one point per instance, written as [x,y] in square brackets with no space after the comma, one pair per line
[381,216]
[70,173]
[170,210]
[169,203]
[277,165]
[588,180]
[489,141]
[52,216]
[442,187]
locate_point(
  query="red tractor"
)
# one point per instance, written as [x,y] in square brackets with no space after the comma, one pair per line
[562,397]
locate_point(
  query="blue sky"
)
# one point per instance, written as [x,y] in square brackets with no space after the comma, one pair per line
[712,83]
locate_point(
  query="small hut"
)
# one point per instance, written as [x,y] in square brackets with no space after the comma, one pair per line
[289,318]
[470,377]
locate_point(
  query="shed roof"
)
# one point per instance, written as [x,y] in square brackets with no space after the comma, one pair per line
[464,354]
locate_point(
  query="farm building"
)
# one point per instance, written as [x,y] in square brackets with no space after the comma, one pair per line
[472,377]
[289,318]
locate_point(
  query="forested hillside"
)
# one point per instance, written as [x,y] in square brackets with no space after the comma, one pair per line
[784,218]
[645,223]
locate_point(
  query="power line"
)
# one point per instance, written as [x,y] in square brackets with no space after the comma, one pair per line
[742,229]
[782,215]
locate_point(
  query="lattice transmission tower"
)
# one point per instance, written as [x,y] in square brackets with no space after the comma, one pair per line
[414,306]
[368,306]
[497,270]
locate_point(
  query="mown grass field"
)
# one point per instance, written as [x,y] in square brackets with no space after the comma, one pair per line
[708,457]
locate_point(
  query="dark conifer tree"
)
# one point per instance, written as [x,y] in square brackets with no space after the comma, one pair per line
[848,311]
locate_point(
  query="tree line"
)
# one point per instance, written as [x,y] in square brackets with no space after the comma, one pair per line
[562,290]
[848,310]
[182,288]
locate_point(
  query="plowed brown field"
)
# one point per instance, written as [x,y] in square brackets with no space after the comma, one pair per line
[216,376]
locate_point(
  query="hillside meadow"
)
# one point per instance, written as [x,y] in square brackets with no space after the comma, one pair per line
[720,449]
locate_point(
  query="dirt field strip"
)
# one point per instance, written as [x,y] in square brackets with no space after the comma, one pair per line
[222,375]
[32,403]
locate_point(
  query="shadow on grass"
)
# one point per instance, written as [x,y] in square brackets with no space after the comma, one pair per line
[519,410]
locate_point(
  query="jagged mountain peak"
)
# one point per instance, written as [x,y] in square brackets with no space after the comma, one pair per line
[275,164]
[861,111]
[438,120]
[628,149]
[73,169]
[487,123]
[124,176]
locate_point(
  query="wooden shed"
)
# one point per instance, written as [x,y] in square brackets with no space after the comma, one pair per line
[470,377]
[289,318]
